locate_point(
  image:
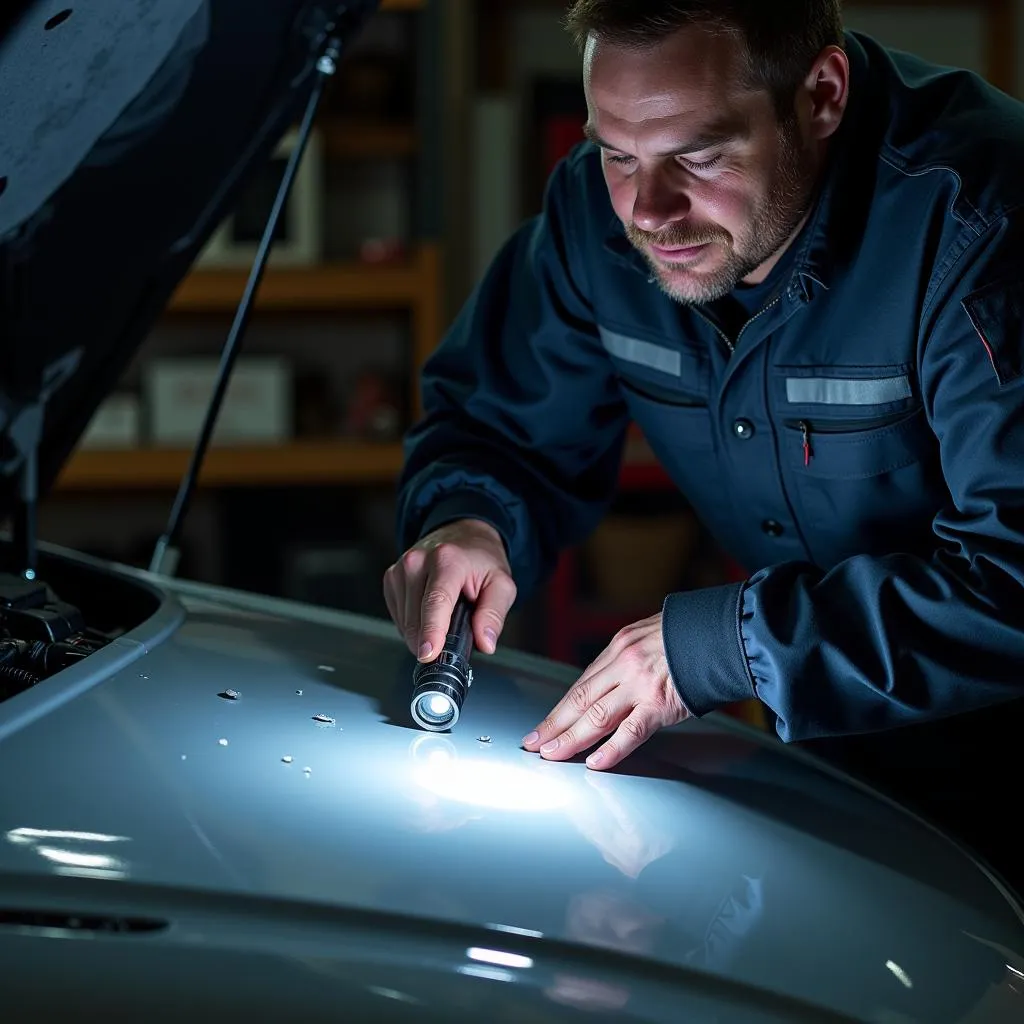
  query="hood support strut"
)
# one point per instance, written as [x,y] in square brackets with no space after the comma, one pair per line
[166,554]
[26,433]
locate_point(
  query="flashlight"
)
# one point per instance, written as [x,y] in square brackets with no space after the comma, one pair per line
[439,686]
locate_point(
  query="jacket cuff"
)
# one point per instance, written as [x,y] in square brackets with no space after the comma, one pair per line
[469,505]
[701,633]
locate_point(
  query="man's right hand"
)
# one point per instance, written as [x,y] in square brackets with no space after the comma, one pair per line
[465,557]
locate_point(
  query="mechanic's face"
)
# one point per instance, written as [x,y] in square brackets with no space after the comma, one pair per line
[707,183]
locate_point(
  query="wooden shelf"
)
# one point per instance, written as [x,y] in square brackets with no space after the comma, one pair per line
[304,462]
[324,287]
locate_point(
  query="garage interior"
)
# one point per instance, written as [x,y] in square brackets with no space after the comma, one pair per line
[432,146]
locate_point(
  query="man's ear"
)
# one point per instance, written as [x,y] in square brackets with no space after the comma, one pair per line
[821,100]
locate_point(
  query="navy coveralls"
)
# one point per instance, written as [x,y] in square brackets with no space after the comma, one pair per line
[857,445]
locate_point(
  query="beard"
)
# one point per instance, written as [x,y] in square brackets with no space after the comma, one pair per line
[786,202]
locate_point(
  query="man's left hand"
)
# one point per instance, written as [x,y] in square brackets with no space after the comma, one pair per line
[627,691]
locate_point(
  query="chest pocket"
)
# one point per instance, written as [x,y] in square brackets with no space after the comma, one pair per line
[666,390]
[860,459]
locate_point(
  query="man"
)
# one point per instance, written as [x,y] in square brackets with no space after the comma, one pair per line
[796,260]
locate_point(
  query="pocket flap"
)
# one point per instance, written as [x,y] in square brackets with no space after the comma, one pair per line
[863,453]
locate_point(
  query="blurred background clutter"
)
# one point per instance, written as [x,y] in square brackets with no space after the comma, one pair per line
[433,144]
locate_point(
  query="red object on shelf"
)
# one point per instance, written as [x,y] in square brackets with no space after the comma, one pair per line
[560,135]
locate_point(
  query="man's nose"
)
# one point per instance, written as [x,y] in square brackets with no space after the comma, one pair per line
[658,202]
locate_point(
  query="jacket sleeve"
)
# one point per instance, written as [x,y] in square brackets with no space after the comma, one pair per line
[523,424]
[880,642]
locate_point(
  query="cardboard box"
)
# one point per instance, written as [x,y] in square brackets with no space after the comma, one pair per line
[257,407]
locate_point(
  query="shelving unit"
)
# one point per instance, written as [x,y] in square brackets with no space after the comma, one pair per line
[337,286]
[413,286]
[299,463]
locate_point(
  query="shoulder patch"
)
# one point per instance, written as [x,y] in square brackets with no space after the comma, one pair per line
[997,313]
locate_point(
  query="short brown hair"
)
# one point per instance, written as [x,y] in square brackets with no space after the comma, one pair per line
[782,37]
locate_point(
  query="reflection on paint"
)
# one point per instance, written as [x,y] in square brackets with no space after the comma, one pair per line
[500,957]
[30,835]
[482,783]
[66,859]
[72,859]
[490,973]
[899,973]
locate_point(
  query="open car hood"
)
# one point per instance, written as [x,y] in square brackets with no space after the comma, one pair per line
[127,131]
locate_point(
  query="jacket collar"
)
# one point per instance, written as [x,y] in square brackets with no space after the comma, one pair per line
[829,236]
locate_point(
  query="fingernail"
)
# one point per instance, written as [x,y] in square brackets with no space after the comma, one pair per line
[549,746]
[491,637]
[596,758]
[530,738]
[425,648]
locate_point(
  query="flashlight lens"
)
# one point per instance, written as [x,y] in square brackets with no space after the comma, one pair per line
[440,705]
[435,709]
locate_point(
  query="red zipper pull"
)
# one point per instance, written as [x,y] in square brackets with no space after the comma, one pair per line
[805,430]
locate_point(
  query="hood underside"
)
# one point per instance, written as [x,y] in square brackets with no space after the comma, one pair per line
[127,131]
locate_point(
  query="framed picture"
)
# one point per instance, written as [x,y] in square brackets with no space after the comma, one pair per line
[299,237]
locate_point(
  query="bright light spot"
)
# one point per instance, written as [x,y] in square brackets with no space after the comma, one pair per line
[499,957]
[900,974]
[513,930]
[439,705]
[78,860]
[91,872]
[1013,970]
[28,835]
[490,973]
[393,993]
[484,784]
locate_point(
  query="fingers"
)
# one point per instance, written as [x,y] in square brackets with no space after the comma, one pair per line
[590,710]
[423,586]
[396,587]
[493,603]
[634,730]
[443,582]
[407,574]
[394,596]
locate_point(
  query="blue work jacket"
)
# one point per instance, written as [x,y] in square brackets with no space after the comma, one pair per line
[858,447]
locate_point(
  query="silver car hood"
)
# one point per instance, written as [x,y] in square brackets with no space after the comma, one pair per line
[713,849]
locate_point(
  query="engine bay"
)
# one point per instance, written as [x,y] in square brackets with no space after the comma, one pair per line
[70,610]
[39,634]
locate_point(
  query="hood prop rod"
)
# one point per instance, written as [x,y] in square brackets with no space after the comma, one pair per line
[27,431]
[166,554]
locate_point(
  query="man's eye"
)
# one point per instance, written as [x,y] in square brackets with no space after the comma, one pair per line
[704,165]
[620,159]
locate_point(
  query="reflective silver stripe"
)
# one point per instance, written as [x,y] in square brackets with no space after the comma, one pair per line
[846,391]
[643,353]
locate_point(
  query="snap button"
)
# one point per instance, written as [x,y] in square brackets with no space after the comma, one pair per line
[743,429]
[772,528]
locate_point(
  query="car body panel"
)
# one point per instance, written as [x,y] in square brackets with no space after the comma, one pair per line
[713,850]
